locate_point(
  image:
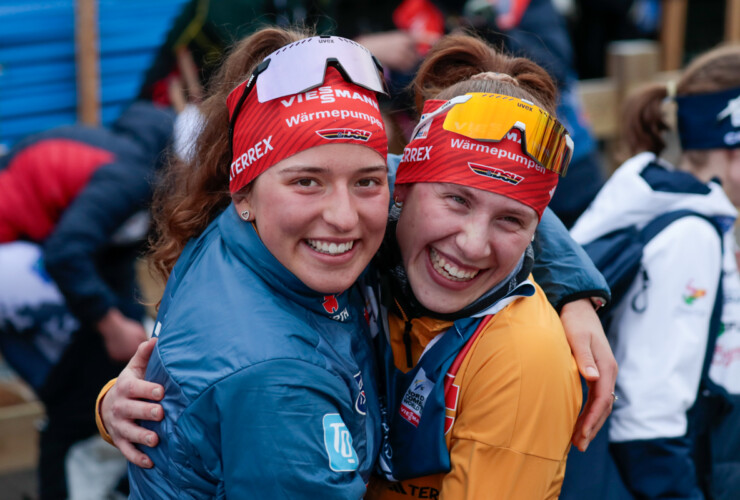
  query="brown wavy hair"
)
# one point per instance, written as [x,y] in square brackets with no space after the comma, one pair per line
[643,122]
[191,194]
[448,68]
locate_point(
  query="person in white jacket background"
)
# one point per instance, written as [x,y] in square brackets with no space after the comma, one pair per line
[672,432]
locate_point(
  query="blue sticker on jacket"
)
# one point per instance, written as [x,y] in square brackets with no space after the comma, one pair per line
[338,442]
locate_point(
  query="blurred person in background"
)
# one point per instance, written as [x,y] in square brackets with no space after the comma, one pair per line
[73,217]
[675,430]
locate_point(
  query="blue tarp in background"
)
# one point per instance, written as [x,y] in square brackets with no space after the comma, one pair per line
[37,59]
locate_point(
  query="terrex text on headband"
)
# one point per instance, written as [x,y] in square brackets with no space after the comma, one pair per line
[490,117]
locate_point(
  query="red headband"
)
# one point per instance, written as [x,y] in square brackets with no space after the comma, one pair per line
[438,155]
[266,133]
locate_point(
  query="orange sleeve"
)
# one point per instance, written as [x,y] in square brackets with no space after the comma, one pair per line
[98,417]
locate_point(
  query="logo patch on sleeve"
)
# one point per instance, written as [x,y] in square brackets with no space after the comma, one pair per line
[338,443]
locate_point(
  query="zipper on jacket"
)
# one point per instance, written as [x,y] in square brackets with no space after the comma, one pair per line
[406,336]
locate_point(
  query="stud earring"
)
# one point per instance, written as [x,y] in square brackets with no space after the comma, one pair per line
[245,215]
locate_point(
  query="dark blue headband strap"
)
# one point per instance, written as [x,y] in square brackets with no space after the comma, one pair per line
[709,121]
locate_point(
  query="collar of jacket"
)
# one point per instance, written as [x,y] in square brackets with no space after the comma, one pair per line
[243,242]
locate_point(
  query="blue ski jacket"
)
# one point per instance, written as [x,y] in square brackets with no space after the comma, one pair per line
[285,405]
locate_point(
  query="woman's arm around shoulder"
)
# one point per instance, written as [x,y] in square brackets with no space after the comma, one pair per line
[562,268]
[575,287]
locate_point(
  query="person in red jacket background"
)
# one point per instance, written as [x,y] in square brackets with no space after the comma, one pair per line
[73,216]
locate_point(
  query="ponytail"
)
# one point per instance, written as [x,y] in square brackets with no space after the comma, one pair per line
[642,122]
[449,68]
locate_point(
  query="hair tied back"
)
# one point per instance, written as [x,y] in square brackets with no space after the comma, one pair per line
[491,75]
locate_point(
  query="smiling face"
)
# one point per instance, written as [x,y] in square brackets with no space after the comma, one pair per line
[322,213]
[458,242]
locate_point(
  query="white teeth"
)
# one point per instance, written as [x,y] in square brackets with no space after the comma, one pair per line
[330,248]
[450,271]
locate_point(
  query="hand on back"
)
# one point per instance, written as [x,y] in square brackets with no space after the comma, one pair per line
[123,405]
